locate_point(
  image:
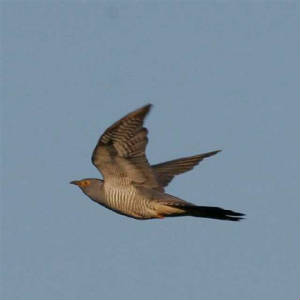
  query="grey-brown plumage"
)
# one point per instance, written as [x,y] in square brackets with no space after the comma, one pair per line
[133,187]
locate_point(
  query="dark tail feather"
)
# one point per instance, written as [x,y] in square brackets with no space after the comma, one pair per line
[213,213]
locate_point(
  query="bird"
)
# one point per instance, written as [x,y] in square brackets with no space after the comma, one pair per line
[134,188]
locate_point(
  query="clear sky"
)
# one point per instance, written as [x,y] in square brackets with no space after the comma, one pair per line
[221,75]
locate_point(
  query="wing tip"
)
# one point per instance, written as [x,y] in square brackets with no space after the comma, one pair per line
[142,111]
[216,151]
[147,107]
[207,154]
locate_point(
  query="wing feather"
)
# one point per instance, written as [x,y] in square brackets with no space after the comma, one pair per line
[120,151]
[166,171]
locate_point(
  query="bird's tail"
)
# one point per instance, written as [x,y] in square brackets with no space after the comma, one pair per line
[166,205]
[212,213]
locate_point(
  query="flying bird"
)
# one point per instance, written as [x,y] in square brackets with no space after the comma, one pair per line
[134,188]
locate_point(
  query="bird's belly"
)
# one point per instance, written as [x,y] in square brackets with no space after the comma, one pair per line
[125,200]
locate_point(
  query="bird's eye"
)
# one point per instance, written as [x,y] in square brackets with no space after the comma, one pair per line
[84,183]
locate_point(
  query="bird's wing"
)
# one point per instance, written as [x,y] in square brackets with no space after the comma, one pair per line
[120,151]
[166,171]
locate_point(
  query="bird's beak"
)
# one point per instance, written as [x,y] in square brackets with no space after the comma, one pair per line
[76,182]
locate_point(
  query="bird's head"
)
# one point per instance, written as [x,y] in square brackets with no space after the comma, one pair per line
[89,186]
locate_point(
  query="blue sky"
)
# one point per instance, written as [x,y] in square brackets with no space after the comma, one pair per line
[221,75]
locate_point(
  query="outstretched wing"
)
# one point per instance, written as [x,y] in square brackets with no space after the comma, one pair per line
[120,151]
[166,171]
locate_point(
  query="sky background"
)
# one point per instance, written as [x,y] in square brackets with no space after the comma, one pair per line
[221,75]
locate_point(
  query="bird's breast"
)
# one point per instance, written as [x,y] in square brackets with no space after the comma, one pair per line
[123,198]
